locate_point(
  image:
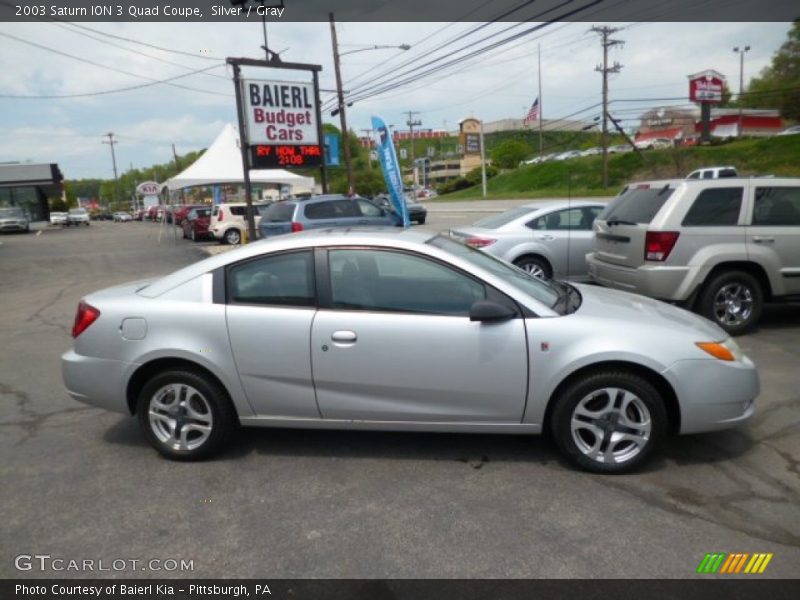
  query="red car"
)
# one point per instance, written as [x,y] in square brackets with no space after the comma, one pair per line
[195,225]
[181,213]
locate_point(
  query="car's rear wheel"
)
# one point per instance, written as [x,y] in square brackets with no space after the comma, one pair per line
[535,266]
[232,236]
[609,422]
[733,300]
[185,415]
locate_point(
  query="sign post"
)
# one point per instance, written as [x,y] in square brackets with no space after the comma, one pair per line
[280,124]
[705,89]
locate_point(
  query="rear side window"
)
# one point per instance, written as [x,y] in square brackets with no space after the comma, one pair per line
[777,206]
[279,212]
[237,210]
[346,208]
[279,280]
[715,206]
[320,210]
[636,205]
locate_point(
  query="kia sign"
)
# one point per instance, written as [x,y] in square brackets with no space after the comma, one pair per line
[280,112]
[706,87]
[148,188]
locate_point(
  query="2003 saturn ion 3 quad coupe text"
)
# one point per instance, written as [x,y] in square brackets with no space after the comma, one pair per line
[401,330]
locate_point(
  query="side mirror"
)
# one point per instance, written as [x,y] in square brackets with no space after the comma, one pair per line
[487,311]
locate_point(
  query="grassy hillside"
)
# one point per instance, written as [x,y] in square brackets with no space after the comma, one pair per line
[583,176]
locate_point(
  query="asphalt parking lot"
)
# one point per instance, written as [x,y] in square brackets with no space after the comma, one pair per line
[80,483]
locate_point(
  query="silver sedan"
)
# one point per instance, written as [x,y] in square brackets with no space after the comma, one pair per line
[401,330]
[546,239]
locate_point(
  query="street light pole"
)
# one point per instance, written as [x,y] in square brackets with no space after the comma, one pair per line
[340,103]
[741,53]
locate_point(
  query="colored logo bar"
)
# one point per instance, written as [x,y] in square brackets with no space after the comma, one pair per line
[733,563]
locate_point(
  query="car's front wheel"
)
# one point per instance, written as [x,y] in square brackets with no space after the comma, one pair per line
[185,415]
[733,300]
[609,422]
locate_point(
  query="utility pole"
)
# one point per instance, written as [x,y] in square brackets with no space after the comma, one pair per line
[411,122]
[541,145]
[604,69]
[369,131]
[741,53]
[341,108]
[111,141]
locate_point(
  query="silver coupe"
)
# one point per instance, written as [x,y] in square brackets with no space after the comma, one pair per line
[401,330]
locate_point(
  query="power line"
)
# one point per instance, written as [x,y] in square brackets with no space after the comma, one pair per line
[605,70]
[116,70]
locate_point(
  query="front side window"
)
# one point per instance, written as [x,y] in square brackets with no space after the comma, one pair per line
[777,206]
[368,209]
[278,280]
[714,207]
[384,280]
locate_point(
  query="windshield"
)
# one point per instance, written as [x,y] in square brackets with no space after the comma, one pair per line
[636,204]
[495,221]
[11,212]
[543,291]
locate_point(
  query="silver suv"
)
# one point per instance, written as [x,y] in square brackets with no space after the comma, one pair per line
[721,247]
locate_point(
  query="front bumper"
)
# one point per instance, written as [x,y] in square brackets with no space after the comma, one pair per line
[95,381]
[13,226]
[714,394]
[656,281]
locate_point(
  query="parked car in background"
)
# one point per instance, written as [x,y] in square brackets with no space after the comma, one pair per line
[620,149]
[101,216]
[591,151]
[654,144]
[13,218]
[722,247]
[228,223]
[417,213]
[180,213]
[713,173]
[546,239]
[58,218]
[795,130]
[122,217]
[196,224]
[78,216]
[333,210]
[568,155]
[400,330]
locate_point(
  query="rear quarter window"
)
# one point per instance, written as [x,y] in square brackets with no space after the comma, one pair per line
[715,207]
[777,206]
[636,205]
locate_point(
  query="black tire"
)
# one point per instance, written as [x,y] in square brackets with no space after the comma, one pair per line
[233,236]
[733,300]
[222,422]
[421,221]
[646,399]
[536,266]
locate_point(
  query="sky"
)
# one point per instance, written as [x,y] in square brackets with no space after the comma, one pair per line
[655,59]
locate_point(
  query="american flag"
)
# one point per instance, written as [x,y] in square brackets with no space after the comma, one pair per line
[533,113]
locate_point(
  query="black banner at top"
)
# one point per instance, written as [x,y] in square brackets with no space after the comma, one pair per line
[396,11]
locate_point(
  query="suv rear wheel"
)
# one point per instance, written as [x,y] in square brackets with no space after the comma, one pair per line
[733,300]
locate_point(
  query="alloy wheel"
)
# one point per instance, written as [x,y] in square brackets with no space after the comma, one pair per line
[611,425]
[534,270]
[180,417]
[733,304]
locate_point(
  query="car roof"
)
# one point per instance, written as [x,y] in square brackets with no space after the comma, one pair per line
[390,237]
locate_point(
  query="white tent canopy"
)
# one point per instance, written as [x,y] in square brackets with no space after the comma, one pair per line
[222,163]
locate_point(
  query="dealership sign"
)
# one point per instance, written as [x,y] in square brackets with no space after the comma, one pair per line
[281,123]
[706,87]
[148,188]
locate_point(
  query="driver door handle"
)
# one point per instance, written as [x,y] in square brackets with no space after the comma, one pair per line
[547,237]
[763,239]
[344,337]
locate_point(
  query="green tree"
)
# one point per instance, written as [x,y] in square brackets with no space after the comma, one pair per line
[509,153]
[778,85]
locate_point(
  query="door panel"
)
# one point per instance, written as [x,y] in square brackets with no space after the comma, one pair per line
[774,234]
[405,367]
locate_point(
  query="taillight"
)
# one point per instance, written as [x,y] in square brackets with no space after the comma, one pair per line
[220,215]
[479,242]
[85,316]
[658,244]
[296,227]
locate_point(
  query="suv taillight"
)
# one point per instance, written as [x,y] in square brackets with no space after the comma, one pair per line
[220,215]
[85,316]
[658,244]
[479,242]
[296,227]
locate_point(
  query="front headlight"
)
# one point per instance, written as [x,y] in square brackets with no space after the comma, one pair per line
[728,350]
